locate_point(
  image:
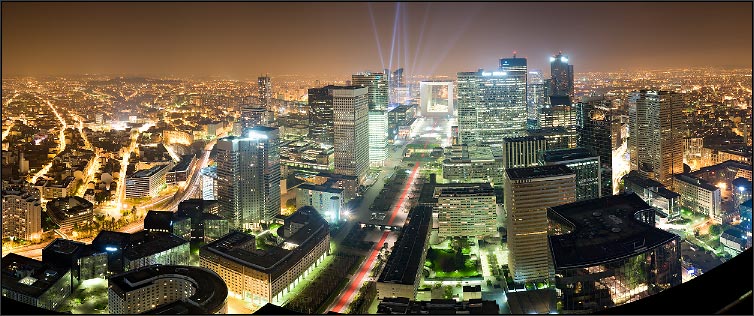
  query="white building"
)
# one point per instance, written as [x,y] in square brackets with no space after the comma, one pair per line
[699,196]
[377,137]
[351,129]
[147,182]
[22,214]
[466,210]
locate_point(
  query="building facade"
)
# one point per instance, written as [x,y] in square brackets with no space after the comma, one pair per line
[321,115]
[584,164]
[147,182]
[699,196]
[248,177]
[466,211]
[656,142]
[528,192]
[351,130]
[22,214]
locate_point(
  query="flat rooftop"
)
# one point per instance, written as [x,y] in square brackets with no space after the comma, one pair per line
[538,172]
[427,195]
[635,177]
[148,172]
[405,260]
[696,182]
[210,291]
[275,260]
[28,276]
[184,163]
[559,155]
[145,243]
[603,230]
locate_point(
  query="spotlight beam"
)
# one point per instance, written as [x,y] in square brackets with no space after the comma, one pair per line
[376,34]
[392,43]
[421,35]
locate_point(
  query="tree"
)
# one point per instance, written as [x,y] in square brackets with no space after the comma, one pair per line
[448,292]
[459,260]
[716,230]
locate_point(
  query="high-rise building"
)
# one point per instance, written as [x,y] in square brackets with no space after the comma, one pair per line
[377,137]
[562,76]
[535,93]
[519,152]
[255,115]
[656,142]
[351,130]
[491,105]
[22,214]
[248,176]
[264,86]
[528,192]
[583,163]
[321,115]
[609,253]
[377,89]
[595,128]
[466,210]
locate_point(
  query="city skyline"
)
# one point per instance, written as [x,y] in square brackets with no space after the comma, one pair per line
[318,38]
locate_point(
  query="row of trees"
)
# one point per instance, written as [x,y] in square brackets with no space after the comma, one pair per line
[310,299]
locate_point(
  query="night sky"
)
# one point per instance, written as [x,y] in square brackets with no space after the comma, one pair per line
[242,40]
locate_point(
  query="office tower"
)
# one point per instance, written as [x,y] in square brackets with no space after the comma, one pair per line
[491,105]
[22,213]
[557,115]
[607,255]
[266,274]
[562,76]
[377,137]
[397,78]
[248,177]
[466,210]
[656,142]
[254,115]
[535,94]
[377,85]
[264,89]
[519,152]
[528,192]
[351,130]
[595,129]
[167,289]
[586,166]
[321,115]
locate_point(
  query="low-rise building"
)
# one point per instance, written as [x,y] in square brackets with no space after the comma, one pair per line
[699,196]
[403,269]
[654,193]
[147,182]
[406,306]
[206,225]
[262,273]
[33,282]
[50,189]
[131,251]
[84,261]
[181,170]
[327,200]
[68,212]
[167,289]
[168,222]
[734,241]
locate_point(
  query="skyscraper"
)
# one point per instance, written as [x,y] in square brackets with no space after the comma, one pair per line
[584,164]
[248,176]
[492,105]
[22,213]
[377,137]
[519,152]
[321,115]
[535,94]
[377,96]
[528,192]
[594,128]
[254,115]
[656,141]
[351,130]
[265,92]
[562,76]
[377,86]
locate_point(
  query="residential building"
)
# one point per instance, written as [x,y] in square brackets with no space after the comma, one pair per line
[147,182]
[466,211]
[22,213]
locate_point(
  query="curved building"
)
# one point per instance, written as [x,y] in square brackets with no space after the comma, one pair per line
[159,289]
[609,253]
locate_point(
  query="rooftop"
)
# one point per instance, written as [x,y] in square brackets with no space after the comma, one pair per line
[275,260]
[68,206]
[210,291]
[538,172]
[145,243]
[635,177]
[603,230]
[184,163]
[28,276]
[696,182]
[148,172]
[405,260]
[560,155]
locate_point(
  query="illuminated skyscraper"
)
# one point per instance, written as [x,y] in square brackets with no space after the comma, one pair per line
[248,176]
[254,116]
[321,115]
[377,86]
[595,127]
[22,213]
[562,76]
[535,93]
[492,105]
[528,192]
[377,137]
[265,92]
[656,141]
[351,130]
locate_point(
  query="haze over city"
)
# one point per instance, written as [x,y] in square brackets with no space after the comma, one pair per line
[376,158]
[242,40]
